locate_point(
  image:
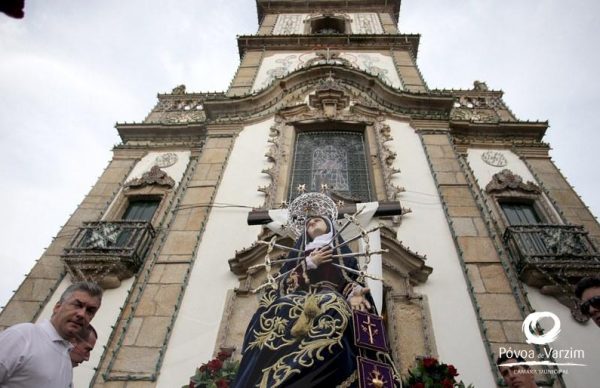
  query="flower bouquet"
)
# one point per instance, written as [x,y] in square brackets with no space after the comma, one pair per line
[217,373]
[429,373]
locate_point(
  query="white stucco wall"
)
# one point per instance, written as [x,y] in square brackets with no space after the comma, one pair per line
[366,23]
[426,231]
[483,172]
[105,318]
[360,23]
[175,171]
[279,65]
[290,24]
[195,330]
[572,336]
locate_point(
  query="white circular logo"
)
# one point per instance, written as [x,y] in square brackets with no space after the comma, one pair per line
[529,327]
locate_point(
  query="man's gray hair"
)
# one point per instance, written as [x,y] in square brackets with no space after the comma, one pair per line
[90,288]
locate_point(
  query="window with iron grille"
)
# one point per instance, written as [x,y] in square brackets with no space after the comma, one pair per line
[334,158]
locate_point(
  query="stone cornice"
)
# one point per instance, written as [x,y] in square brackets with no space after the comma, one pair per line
[404,102]
[160,132]
[386,42]
[290,6]
[533,130]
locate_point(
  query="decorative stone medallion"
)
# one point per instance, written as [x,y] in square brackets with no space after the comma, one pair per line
[494,158]
[166,160]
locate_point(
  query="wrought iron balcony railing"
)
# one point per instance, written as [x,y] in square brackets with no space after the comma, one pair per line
[557,251]
[108,252]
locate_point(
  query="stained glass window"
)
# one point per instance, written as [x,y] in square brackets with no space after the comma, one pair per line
[335,158]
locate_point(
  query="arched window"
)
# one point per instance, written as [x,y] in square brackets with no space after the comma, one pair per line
[328,25]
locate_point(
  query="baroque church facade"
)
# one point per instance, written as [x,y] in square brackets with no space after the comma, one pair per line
[478,226]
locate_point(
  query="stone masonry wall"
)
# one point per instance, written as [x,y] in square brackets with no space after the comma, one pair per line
[560,191]
[499,312]
[39,285]
[134,354]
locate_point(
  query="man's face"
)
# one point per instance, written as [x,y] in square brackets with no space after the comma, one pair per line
[516,376]
[588,294]
[74,313]
[82,349]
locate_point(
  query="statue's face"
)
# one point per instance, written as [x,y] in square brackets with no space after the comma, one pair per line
[316,226]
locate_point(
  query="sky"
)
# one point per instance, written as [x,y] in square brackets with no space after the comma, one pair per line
[71,69]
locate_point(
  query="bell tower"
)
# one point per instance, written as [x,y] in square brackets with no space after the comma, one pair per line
[293,34]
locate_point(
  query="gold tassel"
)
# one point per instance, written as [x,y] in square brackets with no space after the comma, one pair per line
[309,311]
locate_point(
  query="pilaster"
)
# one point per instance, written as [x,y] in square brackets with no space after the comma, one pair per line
[134,354]
[498,307]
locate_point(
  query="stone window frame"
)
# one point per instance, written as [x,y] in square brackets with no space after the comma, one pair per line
[128,195]
[308,23]
[519,192]
[537,201]
[330,126]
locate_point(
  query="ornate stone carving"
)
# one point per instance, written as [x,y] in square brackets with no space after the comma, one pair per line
[155,176]
[480,85]
[475,115]
[494,158]
[177,108]
[507,180]
[480,105]
[166,160]
[289,24]
[553,258]
[387,158]
[274,155]
[330,97]
[366,23]
[178,89]
[108,252]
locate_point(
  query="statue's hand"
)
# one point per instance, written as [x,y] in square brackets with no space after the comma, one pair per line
[358,301]
[321,255]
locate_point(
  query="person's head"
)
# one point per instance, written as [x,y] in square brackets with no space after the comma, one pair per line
[83,343]
[76,308]
[316,226]
[588,290]
[515,376]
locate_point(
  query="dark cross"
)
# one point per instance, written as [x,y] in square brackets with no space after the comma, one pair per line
[385,209]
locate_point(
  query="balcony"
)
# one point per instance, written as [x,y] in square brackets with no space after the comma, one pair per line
[108,252]
[551,257]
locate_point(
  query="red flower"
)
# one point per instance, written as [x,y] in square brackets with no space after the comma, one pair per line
[192,385]
[417,385]
[222,383]
[224,355]
[447,383]
[215,365]
[452,371]
[429,362]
